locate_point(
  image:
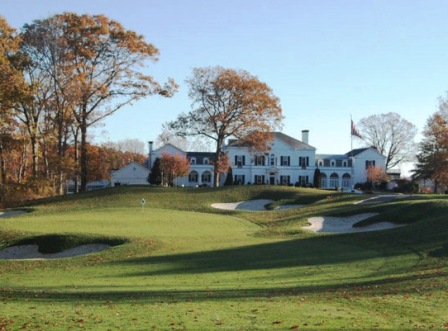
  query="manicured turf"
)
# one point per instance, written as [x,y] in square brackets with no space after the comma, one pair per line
[181,264]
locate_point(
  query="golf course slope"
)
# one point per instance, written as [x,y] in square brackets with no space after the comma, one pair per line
[179,264]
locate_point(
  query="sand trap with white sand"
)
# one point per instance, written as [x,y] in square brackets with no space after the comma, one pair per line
[252,205]
[345,224]
[30,252]
[5,214]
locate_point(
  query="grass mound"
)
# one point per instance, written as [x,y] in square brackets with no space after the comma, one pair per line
[56,243]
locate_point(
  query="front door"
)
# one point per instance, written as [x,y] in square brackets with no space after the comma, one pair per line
[272,180]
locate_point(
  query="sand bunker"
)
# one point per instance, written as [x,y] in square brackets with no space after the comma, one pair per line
[252,205]
[11,213]
[30,252]
[345,224]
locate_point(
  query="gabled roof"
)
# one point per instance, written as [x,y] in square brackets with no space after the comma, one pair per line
[132,164]
[356,152]
[280,136]
[175,147]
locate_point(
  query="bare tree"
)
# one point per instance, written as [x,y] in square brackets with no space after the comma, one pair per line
[190,144]
[391,135]
[127,145]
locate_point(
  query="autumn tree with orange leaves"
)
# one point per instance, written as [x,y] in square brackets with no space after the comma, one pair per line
[10,79]
[174,166]
[375,175]
[229,103]
[433,151]
[97,69]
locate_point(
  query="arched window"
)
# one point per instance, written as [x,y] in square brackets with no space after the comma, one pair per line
[334,180]
[346,180]
[193,177]
[193,160]
[344,164]
[206,177]
[332,163]
[323,179]
[205,160]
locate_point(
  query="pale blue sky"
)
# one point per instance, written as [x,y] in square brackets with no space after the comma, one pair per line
[325,60]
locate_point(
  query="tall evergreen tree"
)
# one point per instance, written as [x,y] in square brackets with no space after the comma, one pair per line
[156,175]
[229,178]
[317,180]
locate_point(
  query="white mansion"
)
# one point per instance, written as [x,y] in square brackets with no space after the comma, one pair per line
[287,162]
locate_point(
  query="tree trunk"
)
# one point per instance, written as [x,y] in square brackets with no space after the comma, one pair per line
[60,188]
[76,161]
[21,170]
[34,151]
[84,169]
[216,165]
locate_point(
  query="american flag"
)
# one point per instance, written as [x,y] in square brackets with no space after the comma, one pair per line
[355,131]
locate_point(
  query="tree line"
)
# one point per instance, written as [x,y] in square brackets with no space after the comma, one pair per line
[59,77]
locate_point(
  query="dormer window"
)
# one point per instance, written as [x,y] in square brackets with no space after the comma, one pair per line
[321,163]
[344,163]
[332,163]
[193,160]
[205,160]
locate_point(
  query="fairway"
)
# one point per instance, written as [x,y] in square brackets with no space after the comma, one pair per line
[185,265]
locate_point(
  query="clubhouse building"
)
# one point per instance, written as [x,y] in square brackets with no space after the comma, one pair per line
[289,161]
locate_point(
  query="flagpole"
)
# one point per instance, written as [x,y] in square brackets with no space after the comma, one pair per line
[351,151]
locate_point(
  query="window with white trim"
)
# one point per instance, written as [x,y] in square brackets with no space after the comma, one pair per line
[334,180]
[193,177]
[205,160]
[207,177]
[370,163]
[193,160]
[239,179]
[259,179]
[285,160]
[303,180]
[284,180]
[323,178]
[346,181]
[239,160]
[304,161]
[259,160]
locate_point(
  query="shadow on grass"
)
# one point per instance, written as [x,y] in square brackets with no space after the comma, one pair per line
[403,285]
[316,251]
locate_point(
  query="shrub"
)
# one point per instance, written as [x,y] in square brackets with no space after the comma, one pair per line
[297,184]
[14,194]
[406,186]
[367,186]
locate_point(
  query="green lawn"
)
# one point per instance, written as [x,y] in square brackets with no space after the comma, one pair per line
[184,265]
